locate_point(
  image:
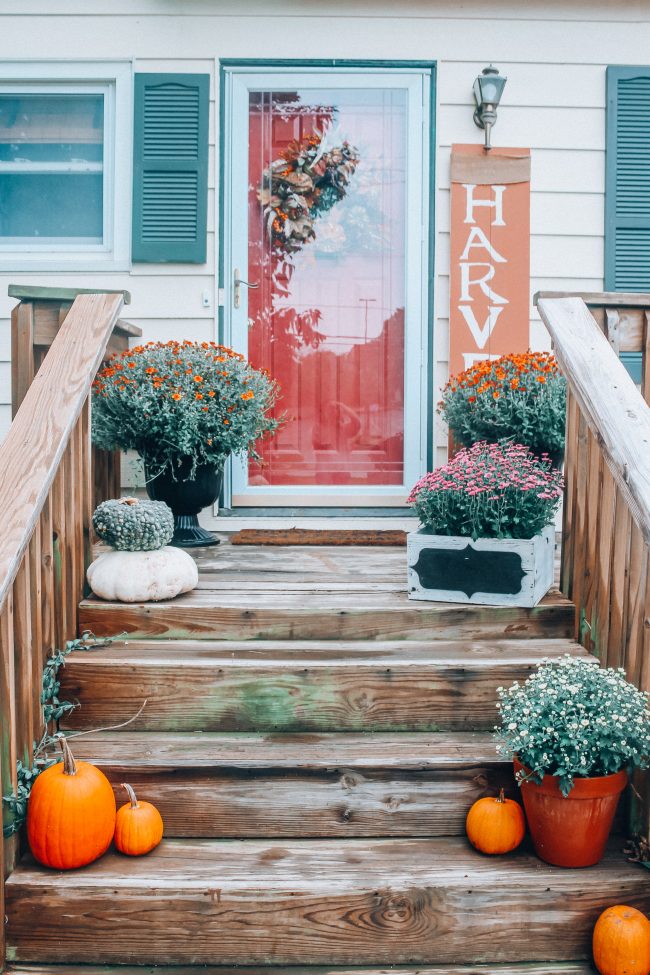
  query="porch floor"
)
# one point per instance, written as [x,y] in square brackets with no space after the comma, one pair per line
[316,592]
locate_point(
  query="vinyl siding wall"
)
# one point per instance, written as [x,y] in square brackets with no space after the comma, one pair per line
[554,54]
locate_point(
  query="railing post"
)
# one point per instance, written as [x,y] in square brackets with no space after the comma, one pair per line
[46,486]
[23,367]
[35,322]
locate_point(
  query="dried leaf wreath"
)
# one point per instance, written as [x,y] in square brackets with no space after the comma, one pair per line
[304,183]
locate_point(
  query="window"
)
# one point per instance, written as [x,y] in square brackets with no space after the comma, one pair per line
[64,166]
[52,168]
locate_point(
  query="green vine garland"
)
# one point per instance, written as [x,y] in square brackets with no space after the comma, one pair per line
[53,709]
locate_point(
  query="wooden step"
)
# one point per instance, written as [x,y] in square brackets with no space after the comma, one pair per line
[298,686]
[527,968]
[334,902]
[247,785]
[262,614]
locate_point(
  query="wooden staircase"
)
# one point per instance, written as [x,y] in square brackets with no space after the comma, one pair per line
[314,741]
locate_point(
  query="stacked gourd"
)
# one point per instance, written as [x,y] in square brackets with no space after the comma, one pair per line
[72,816]
[142,566]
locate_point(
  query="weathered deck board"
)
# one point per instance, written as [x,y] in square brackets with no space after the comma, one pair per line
[351,902]
[349,615]
[299,686]
[247,785]
[526,968]
[324,593]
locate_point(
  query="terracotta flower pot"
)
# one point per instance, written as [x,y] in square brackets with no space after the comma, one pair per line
[571,831]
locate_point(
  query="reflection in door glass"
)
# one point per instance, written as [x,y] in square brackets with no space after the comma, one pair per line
[327,222]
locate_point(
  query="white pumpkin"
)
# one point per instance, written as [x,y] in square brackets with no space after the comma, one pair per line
[140,577]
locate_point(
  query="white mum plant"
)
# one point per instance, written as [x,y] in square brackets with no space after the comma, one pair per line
[572,719]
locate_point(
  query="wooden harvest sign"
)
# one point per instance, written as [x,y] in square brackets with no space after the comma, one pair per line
[489,254]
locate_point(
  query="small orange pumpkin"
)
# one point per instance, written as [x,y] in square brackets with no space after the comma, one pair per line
[495,825]
[138,826]
[70,814]
[621,942]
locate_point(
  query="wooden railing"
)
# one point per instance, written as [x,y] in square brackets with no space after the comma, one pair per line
[606,531]
[625,321]
[35,323]
[46,499]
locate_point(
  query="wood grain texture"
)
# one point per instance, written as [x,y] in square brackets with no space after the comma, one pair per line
[328,592]
[568,507]
[24,664]
[619,584]
[251,785]
[32,450]
[36,626]
[596,299]
[645,357]
[285,615]
[43,465]
[47,606]
[23,366]
[526,968]
[593,493]
[48,317]
[536,561]
[299,686]
[332,901]
[606,547]
[62,599]
[608,399]
[600,616]
[635,621]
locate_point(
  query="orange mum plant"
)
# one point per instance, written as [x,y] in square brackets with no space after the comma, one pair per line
[171,401]
[520,396]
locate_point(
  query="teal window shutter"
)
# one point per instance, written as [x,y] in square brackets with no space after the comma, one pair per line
[170,167]
[627,183]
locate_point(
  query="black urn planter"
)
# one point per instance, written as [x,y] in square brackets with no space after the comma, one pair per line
[186,498]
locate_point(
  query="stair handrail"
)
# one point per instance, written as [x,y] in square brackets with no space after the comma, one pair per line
[606,516]
[46,498]
[31,453]
[612,406]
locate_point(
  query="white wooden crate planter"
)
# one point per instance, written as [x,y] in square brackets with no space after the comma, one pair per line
[490,571]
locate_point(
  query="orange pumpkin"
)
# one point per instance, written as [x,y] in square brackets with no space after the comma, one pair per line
[622,942]
[495,825]
[138,826]
[70,814]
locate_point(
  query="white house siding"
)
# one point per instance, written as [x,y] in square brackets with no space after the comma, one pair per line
[554,53]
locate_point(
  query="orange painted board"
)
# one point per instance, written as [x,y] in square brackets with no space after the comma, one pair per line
[489,254]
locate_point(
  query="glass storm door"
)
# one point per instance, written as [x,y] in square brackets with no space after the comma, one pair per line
[325,278]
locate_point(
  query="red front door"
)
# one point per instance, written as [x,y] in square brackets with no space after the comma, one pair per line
[327,236]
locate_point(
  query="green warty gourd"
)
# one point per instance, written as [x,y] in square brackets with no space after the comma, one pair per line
[134,524]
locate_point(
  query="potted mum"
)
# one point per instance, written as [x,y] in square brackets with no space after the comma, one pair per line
[574,730]
[486,532]
[520,396]
[184,407]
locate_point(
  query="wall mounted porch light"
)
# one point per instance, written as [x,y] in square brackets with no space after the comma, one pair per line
[488,89]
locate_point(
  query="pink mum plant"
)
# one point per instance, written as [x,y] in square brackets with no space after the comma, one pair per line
[489,490]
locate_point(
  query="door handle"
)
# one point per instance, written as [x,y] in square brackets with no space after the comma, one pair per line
[237,283]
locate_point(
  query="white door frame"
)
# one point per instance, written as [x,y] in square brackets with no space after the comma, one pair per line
[416,82]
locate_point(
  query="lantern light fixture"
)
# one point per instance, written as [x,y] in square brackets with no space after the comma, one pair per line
[488,88]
